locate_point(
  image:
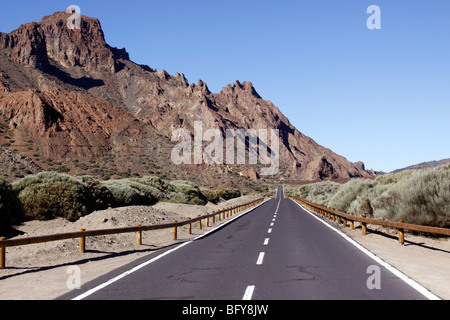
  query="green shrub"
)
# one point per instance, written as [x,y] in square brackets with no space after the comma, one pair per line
[227,194]
[158,183]
[149,193]
[189,193]
[11,210]
[128,193]
[210,195]
[161,189]
[104,198]
[49,194]
[149,190]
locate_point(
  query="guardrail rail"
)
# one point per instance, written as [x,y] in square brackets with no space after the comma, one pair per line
[344,218]
[83,234]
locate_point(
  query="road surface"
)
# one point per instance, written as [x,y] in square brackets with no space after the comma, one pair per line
[277,251]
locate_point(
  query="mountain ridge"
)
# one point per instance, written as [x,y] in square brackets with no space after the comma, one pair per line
[424,165]
[63,87]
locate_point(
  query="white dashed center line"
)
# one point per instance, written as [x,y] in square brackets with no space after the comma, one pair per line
[249,293]
[260,258]
[250,289]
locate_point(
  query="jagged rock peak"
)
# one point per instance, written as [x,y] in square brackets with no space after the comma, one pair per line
[35,43]
[360,165]
[246,86]
[203,87]
[164,75]
[182,79]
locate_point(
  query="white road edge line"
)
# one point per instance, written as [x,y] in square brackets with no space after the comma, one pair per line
[249,293]
[123,275]
[260,259]
[424,291]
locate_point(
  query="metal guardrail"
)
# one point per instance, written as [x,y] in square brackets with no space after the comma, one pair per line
[83,234]
[343,217]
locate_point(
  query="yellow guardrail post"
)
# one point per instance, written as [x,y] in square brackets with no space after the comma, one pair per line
[82,243]
[175,231]
[401,235]
[199,222]
[189,226]
[139,236]
[352,223]
[344,221]
[364,228]
[2,255]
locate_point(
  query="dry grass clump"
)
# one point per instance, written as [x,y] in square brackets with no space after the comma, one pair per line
[421,198]
[319,193]
[414,196]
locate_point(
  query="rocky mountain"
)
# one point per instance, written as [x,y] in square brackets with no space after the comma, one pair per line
[72,103]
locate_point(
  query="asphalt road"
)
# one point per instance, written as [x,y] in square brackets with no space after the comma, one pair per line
[277,251]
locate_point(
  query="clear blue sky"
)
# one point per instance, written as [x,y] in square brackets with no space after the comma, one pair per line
[379,96]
